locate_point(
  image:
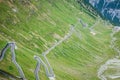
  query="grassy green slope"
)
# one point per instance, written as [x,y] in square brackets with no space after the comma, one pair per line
[36,25]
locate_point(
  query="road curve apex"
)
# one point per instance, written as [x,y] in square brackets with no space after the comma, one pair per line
[11,42]
[35,56]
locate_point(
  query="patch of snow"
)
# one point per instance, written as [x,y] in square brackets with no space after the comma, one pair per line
[109,1]
[94,2]
[16,47]
[14,10]
[113,77]
[93,33]
[51,78]
[114,13]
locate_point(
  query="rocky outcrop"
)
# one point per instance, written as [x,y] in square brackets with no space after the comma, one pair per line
[110,9]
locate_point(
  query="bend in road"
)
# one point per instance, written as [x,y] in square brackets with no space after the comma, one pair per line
[49,71]
[12,46]
[115,62]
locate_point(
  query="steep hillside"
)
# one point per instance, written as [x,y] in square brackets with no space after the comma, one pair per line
[37,25]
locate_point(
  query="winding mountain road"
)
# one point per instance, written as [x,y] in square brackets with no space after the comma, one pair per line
[49,71]
[12,47]
[82,23]
[111,63]
[37,69]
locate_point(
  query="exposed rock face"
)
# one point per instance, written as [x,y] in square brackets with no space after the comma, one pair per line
[110,9]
